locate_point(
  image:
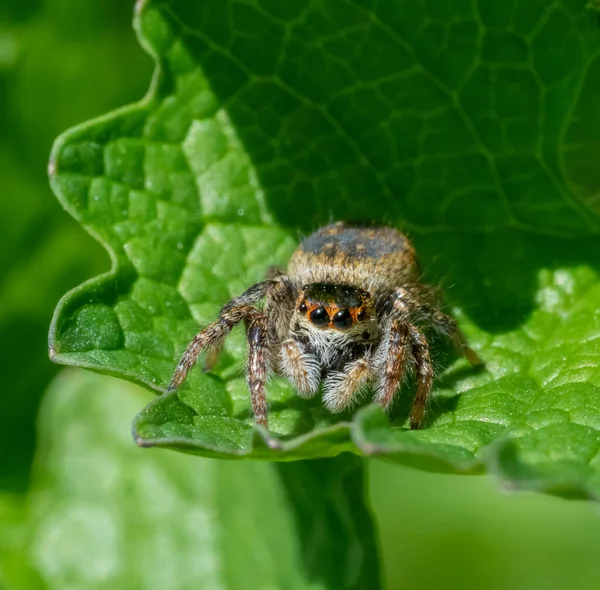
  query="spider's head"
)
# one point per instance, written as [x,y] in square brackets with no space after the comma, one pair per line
[333,306]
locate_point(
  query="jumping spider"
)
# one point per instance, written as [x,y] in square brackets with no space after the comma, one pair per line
[345,315]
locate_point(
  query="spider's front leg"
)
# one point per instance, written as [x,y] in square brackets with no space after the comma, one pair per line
[300,367]
[256,373]
[238,309]
[341,388]
[404,343]
[392,363]
[409,302]
[424,372]
[212,336]
[247,298]
[258,332]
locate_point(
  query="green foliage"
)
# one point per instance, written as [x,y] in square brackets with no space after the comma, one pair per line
[39,98]
[15,569]
[473,131]
[478,537]
[106,514]
[174,517]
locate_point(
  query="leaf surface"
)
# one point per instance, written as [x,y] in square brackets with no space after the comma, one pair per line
[474,131]
[89,42]
[106,514]
[16,572]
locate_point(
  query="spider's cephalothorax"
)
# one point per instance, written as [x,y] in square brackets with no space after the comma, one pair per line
[346,314]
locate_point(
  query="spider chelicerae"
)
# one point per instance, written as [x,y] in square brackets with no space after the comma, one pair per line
[347,314]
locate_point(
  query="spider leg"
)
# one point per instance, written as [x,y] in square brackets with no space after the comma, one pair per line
[256,374]
[341,387]
[248,297]
[274,272]
[212,335]
[441,322]
[447,325]
[424,372]
[393,364]
[300,367]
[279,306]
[238,309]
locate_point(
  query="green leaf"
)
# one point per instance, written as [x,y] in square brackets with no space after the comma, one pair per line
[473,131]
[15,571]
[33,228]
[481,537]
[106,514]
[336,530]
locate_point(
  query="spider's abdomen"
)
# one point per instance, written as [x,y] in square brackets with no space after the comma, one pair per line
[374,258]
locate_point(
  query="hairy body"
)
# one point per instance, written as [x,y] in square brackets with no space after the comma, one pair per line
[346,314]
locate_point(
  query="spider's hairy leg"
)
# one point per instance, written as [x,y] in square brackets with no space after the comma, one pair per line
[341,387]
[300,367]
[274,272]
[213,335]
[424,372]
[447,326]
[441,322]
[248,297]
[256,374]
[393,364]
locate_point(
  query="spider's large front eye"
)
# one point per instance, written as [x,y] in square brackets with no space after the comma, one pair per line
[342,319]
[319,317]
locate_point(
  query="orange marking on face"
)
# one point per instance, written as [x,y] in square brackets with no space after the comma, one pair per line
[354,311]
[310,307]
[331,311]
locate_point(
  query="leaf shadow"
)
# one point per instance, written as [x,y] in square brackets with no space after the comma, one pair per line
[495,278]
[313,169]
[440,403]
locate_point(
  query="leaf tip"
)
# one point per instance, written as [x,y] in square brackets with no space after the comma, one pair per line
[139,440]
[52,167]
[139,6]
[52,353]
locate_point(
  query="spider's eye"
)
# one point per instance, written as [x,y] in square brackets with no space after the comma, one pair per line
[319,317]
[303,308]
[361,315]
[342,319]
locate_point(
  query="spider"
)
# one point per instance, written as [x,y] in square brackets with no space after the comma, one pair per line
[346,315]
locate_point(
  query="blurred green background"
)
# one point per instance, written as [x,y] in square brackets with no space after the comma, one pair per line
[63,62]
